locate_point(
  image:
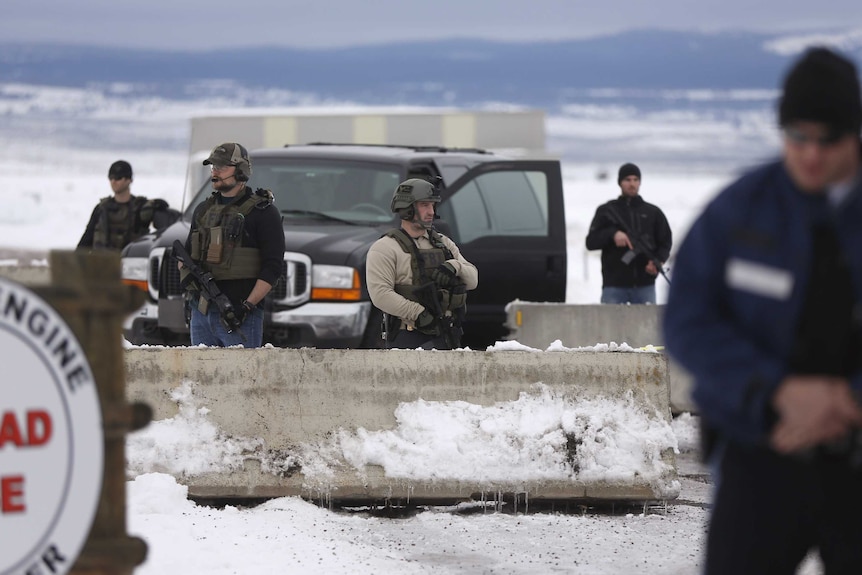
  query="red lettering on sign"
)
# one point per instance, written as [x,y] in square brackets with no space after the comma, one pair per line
[12,494]
[39,429]
[9,430]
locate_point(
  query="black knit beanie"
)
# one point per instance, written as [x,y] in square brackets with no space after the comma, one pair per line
[822,87]
[627,170]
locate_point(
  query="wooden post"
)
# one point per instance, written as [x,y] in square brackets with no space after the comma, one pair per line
[86,289]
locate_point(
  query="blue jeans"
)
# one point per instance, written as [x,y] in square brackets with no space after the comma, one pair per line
[644,294]
[208,329]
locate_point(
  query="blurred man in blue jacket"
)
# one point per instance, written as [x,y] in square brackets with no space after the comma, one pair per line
[765,310]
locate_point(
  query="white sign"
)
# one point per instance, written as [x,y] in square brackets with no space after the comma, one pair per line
[51,441]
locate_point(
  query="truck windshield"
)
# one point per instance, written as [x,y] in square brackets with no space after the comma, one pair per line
[347,190]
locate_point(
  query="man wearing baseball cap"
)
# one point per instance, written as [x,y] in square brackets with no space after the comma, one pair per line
[765,311]
[236,234]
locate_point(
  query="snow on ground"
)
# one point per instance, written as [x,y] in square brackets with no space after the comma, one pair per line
[290,536]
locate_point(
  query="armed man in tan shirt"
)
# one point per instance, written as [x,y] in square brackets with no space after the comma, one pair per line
[417,276]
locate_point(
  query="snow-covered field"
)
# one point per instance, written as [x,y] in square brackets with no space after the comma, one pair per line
[50,188]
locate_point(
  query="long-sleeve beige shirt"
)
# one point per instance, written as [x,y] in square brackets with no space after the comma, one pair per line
[387,264]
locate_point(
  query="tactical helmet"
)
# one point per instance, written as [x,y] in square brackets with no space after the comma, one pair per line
[410,191]
[231,154]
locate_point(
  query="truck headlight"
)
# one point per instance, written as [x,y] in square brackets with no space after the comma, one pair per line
[335,283]
[135,272]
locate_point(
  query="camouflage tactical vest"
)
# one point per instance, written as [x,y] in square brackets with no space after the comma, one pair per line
[422,261]
[217,242]
[119,224]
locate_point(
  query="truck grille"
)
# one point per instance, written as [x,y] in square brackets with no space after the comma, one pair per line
[170,276]
[292,288]
[294,280]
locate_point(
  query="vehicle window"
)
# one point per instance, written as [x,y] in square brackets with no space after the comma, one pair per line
[452,172]
[354,191]
[509,203]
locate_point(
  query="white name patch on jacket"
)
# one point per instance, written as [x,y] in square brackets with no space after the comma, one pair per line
[759,279]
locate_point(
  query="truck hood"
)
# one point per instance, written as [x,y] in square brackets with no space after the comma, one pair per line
[326,243]
[332,243]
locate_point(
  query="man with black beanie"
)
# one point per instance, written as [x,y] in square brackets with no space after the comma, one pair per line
[765,311]
[635,240]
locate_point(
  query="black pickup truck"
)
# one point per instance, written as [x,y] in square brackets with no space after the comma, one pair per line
[506,215]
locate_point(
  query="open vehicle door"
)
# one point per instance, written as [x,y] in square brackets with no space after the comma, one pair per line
[508,219]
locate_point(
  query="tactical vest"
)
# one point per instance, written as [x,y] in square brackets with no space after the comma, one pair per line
[118,223]
[217,240]
[422,261]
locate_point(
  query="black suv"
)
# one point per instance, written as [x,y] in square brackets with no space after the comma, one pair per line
[506,215]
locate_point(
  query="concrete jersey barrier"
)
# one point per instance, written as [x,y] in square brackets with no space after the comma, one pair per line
[582,325]
[290,399]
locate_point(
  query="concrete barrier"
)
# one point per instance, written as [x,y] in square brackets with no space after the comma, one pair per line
[26,274]
[539,324]
[294,397]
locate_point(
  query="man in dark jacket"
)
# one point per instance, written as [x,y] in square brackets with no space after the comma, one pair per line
[236,234]
[765,311]
[635,240]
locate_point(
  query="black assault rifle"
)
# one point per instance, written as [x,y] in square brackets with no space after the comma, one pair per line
[638,244]
[427,295]
[209,290]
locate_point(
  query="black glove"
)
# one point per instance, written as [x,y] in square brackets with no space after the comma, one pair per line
[232,318]
[245,310]
[425,321]
[159,204]
[235,318]
[443,275]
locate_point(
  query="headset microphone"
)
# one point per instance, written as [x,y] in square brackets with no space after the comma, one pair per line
[216,179]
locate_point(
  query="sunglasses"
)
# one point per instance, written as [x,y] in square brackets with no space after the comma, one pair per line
[219,167]
[801,138]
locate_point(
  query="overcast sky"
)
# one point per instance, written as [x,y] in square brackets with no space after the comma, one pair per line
[186,24]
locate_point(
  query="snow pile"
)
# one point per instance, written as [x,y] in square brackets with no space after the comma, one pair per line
[557,345]
[542,436]
[172,498]
[185,445]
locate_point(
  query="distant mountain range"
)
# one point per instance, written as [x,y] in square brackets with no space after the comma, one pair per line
[691,101]
[458,72]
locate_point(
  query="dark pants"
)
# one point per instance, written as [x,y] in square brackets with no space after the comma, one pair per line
[770,510]
[411,339]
